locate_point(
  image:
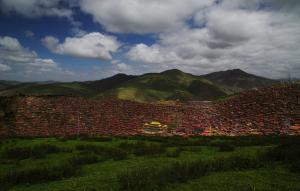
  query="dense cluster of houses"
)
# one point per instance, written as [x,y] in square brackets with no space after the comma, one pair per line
[257,112]
[267,111]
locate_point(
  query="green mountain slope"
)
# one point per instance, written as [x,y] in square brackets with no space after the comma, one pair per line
[86,89]
[171,84]
[74,88]
[7,84]
[168,85]
[238,80]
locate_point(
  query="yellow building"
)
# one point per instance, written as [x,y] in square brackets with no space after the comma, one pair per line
[154,127]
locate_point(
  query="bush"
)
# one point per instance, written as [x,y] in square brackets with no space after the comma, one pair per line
[148,150]
[285,152]
[192,149]
[95,138]
[226,148]
[140,148]
[107,152]
[118,154]
[174,153]
[37,151]
[154,178]
[36,174]
[86,158]
[295,167]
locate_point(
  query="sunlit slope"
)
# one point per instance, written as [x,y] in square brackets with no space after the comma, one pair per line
[171,84]
[168,85]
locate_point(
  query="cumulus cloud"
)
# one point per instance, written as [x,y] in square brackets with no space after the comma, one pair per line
[251,35]
[136,16]
[17,62]
[259,36]
[237,25]
[4,68]
[92,45]
[10,44]
[120,66]
[35,8]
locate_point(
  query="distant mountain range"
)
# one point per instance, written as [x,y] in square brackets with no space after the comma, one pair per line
[168,85]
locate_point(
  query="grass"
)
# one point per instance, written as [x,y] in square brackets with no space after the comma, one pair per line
[154,178]
[123,163]
[36,151]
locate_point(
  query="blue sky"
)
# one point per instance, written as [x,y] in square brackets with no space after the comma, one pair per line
[77,40]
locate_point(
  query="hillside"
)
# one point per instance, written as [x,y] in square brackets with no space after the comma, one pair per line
[74,88]
[168,85]
[238,80]
[171,84]
[85,89]
[267,111]
[6,84]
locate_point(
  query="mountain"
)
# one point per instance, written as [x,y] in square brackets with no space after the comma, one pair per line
[238,80]
[168,85]
[72,88]
[108,83]
[86,89]
[6,84]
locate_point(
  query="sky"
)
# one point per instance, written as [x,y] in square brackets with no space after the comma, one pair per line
[79,40]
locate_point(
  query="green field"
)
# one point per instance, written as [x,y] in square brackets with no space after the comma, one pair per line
[153,163]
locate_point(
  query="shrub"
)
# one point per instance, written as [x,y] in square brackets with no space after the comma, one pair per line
[95,138]
[37,151]
[192,149]
[90,147]
[107,152]
[118,154]
[148,150]
[174,153]
[295,167]
[155,178]
[87,158]
[36,174]
[226,148]
[285,152]
[140,148]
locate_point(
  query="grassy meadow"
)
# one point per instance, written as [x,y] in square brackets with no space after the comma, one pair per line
[150,163]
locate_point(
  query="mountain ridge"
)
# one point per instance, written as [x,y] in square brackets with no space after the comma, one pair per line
[171,84]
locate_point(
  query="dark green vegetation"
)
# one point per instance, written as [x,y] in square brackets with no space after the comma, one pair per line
[239,80]
[86,89]
[6,84]
[150,163]
[168,85]
[7,112]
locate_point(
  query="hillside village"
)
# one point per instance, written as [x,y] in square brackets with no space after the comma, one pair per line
[267,111]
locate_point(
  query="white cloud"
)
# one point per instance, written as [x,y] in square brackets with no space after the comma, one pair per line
[237,25]
[17,62]
[35,8]
[259,36]
[120,67]
[8,43]
[92,45]
[4,68]
[238,34]
[142,16]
